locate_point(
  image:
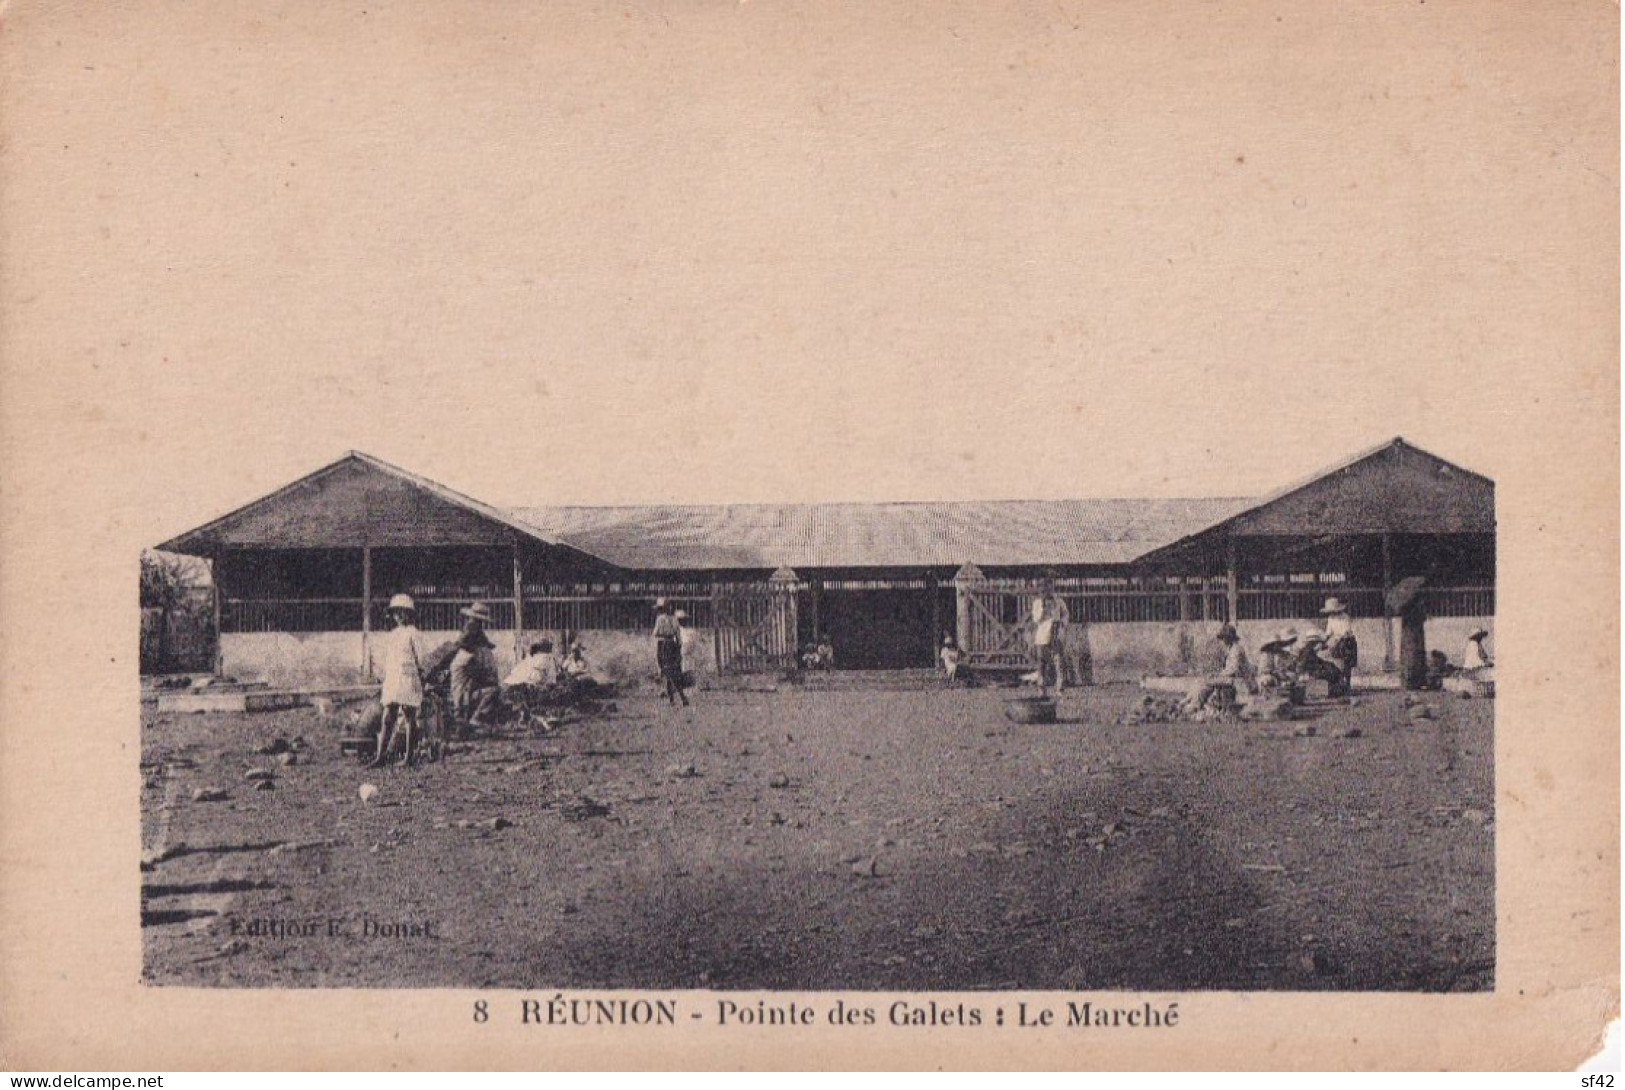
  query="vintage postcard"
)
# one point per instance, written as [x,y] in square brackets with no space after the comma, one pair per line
[775,534]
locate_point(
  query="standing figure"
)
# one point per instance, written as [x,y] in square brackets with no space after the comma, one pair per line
[1405,601]
[1045,630]
[669,651]
[402,693]
[688,642]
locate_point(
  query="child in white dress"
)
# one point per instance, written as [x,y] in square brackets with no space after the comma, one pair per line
[402,693]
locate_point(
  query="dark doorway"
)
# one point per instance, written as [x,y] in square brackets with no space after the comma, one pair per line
[880,629]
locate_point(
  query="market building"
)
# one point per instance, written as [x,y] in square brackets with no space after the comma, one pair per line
[300,576]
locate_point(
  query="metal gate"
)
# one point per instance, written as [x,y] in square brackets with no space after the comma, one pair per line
[755,624]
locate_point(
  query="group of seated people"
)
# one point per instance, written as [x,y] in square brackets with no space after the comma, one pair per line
[1292,658]
[545,680]
[819,655]
[479,698]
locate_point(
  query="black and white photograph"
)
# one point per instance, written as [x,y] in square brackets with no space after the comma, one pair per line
[755,533]
[394,736]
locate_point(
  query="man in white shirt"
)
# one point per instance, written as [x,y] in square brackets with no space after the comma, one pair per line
[1046,639]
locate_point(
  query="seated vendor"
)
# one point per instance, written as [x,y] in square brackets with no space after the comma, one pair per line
[950,659]
[1439,668]
[474,683]
[576,674]
[1475,661]
[1340,645]
[1308,662]
[537,670]
[1275,661]
[1234,675]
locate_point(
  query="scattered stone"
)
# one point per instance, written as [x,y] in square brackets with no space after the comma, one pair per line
[1267,709]
[867,868]
[323,707]
[273,747]
[368,792]
[288,759]
[496,823]
[1320,964]
[265,785]
[153,858]
[232,948]
[1477,817]
[776,819]
[1353,732]
[1305,731]
[254,774]
[583,808]
[209,794]
[682,772]
[569,908]
[779,780]
[1422,711]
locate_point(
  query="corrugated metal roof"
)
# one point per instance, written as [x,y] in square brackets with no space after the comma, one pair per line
[864,535]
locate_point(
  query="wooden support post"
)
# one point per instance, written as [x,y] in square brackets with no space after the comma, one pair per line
[366,611]
[519,604]
[1232,588]
[935,592]
[716,627]
[966,580]
[219,644]
[1387,613]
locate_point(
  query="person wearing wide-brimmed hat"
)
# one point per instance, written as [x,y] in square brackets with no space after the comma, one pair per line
[1275,659]
[1311,661]
[1475,659]
[401,663]
[474,681]
[1340,645]
[1233,676]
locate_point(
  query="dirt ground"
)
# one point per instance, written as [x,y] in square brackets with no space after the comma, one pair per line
[902,840]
